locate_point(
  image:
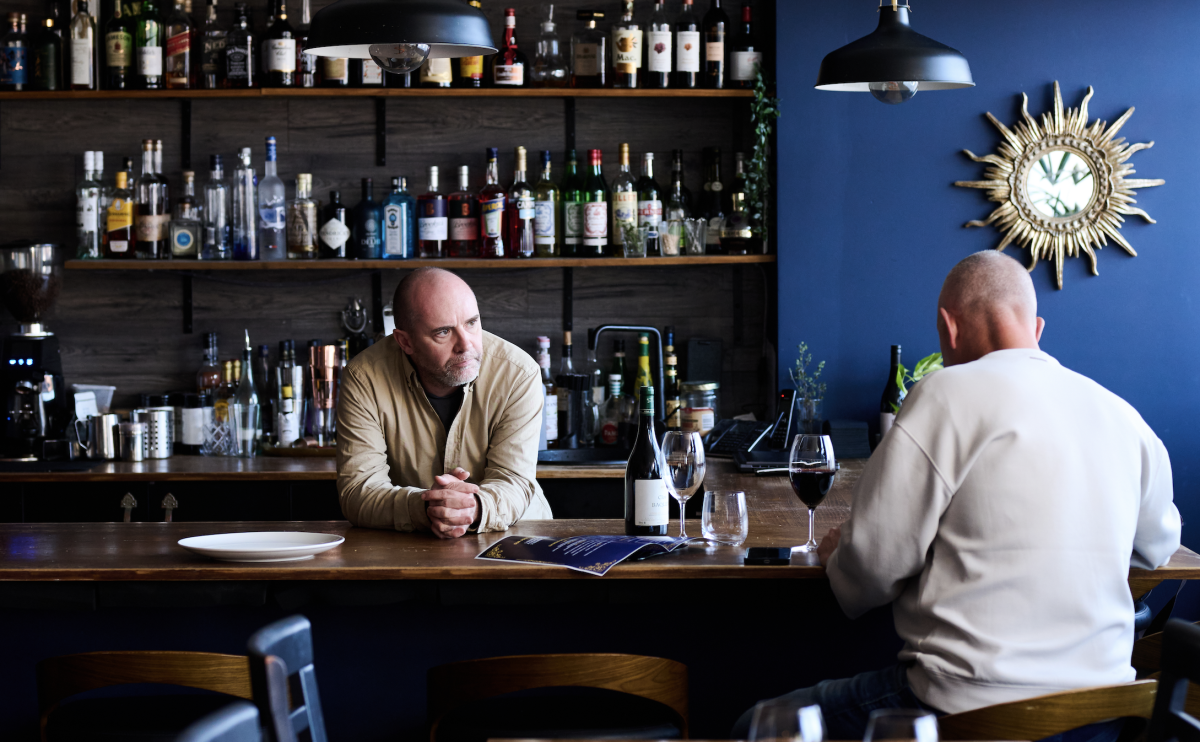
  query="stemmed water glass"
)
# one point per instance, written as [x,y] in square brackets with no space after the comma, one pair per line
[779,720]
[811,469]
[910,725]
[684,455]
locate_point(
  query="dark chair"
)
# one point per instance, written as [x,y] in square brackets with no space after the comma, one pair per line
[1180,667]
[1046,716]
[146,717]
[237,722]
[630,697]
[281,657]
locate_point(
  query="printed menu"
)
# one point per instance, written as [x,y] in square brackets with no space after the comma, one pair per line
[594,555]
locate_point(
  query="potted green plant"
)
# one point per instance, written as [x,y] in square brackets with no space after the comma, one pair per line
[924,367]
[810,391]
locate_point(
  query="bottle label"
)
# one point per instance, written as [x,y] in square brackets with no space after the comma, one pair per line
[471,68]
[712,235]
[609,432]
[192,432]
[271,216]
[372,74]
[13,64]
[687,51]
[526,208]
[714,51]
[587,60]
[543,223]
[81,61]
[550,416]
[237,63]
[183,240]
[658,55]
[334,234]
[85,213]
[492,212]
[624,210]
[152,227]
[564,399]
[120,215]
[437,71]
[745,65]
[627,50]
[510,74]
[178,44]
[150,61]
[302,220]
[214,47]
[394,228]
[287,427]
[671,410]
[650,502]
[464,229]
[595,224]
[118,48]
[369,239]
[334,68]
[572,222]
[433,225]
[650,214]
[886,420]
[279,55]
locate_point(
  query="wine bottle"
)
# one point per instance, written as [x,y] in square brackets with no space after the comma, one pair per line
[713,201]
[892,395]
[671,413]
[687,48]
[746,56]
[715,25]
[571,194]
[646,508]
[650,205]
[279,49]
[546,221]
[644,378]
[595,209]
[659,49]
[464,218]
[433,222]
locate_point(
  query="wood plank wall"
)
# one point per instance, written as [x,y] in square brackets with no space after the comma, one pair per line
[125,329]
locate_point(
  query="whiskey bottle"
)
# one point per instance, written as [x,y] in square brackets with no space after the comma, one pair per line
[149,47]
[151,223]
[120,239]
[212,61]
[118,47]
[178,30]
[240,51]
[302,221]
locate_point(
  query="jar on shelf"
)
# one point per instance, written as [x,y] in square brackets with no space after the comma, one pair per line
[701,401]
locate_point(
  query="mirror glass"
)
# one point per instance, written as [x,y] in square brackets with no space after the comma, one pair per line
[1061,184]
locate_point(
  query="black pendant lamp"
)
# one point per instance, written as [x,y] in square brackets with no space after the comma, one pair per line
[400,34]
[894,62]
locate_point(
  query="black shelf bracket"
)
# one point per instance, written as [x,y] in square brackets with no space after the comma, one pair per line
[185,135]
[380,132]
[568,291]
[377,299]
[569,123]
[187,303]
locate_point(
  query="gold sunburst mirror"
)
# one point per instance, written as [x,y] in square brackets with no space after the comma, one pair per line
[1063,186]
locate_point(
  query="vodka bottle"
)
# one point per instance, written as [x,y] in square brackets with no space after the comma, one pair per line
[272,210]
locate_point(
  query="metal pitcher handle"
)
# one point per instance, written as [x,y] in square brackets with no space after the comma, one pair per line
[84,435]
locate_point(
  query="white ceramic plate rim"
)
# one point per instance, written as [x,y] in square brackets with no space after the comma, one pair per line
[250,544]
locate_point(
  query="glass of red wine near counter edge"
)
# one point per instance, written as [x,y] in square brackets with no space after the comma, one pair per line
[811,468]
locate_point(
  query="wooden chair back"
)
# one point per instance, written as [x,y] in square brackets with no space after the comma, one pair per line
[59,678]
[280,652]
[1180,667]
[237,722]
[1045,716]
[462,683]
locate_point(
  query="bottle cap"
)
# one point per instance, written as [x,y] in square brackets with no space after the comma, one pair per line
[396,182]
[334,196]
[545,157]
[89,161]
[214,162]
[543,341]
[493,152]
[99,157]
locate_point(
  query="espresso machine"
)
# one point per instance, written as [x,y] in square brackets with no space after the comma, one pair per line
[36,404]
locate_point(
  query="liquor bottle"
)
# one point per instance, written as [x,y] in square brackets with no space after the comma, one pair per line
[118,48]
[14,55]
[713,203]
[287,419]
[549,393]
[306,64]
[185,222]
[246,397]
[687,48]
[335,72]
[746,55]
[566,368]
[148,42]
[178,31]
[120,241]
[216,213]
[737,237]
[595,210]
[627,50]
[433,222]
[508,66]
[436,73]
[243,221]
[589,52]
[549,66]
[83,49]
[213,37]
[302,221]
[491,210]
[105,192]
[644,379]
[612,415]
[650,205]
[463,205]
[334,232]
[266,401]
[624,199]
[279,49]
[45,55]
[127,166]
[240,50]
[571,211]
[208,378]
[671,394]
[87,210]
[272,208]
[521,212]
[152,216]
[715,25]
[399,222]
[365,73]
[368,218]
[645,491]
[618,362]
[679,200]
[659,49]
[547,225]
[891,395]
[468,71]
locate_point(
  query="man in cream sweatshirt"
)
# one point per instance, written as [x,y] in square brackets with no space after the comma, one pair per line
[1000,517]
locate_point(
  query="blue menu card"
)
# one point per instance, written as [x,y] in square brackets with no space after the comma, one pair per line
[594,555]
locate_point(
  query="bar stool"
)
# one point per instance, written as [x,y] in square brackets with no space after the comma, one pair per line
[1173,717]
[237,722]
[281,654]
[559,696]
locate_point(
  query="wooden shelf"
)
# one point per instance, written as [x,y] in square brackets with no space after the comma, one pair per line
[370,93]
[465,263]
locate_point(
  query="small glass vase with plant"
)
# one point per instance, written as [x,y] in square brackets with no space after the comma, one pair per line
[904,377]
[810,391]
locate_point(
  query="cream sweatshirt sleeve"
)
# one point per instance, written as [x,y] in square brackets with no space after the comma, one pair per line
[1158,529]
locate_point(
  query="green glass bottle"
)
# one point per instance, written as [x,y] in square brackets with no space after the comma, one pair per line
[571,207]
[547,221]
[148,47]
[595,210]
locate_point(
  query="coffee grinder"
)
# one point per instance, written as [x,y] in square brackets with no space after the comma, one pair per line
[36,407]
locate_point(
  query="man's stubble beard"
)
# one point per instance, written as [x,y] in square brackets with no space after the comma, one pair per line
[448,375]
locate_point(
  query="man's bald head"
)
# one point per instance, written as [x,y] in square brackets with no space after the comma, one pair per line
[987,303]
[414,290]
[438,327]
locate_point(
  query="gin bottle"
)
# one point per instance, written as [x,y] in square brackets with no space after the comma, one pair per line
[216,213]
[243,221]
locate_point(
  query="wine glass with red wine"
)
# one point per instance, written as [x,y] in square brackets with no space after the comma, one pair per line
[811,468]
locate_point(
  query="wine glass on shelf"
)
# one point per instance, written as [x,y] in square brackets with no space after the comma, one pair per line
[811,468]
[911,725]
[684,455]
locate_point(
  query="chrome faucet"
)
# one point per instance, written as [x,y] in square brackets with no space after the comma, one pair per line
[594,338]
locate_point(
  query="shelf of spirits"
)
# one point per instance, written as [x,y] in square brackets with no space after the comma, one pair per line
[449,263]
[370,93]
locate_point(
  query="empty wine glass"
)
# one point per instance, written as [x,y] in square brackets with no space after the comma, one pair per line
[912,725]
[778,720]
[684,455]
[811,468]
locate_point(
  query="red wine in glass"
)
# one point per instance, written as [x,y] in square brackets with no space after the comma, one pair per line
[811,470]
[811,485]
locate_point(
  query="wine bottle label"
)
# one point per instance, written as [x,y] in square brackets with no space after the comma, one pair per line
[13,65]
[464,229]
[118,49]
[650,502]
[81,61]
[658,53]
[334,234]
[279,55]
[572,223]
[471,68]
[886,420]
[687,51]
[624,211]
[120,215]
[627,50]
[525,208]
[564,399]
[543,223]
[179,44]
[394,228]
[587,60]
[698,419]
[745,65]
[86,212]
[433,225]
[335,68]
[437,71]
[150,61]
[595,224]
[714,51]
[671,413]
[372,74]
[152,227]
[492,212]
[510,74]
[237,63]
[550,416]
[650,214]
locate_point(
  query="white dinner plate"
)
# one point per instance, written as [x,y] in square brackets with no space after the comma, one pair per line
[261,546]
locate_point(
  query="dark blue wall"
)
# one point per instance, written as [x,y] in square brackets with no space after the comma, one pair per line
[870,222]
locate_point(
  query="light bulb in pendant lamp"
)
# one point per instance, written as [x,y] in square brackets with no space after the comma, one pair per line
[894,62]
[400,34]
